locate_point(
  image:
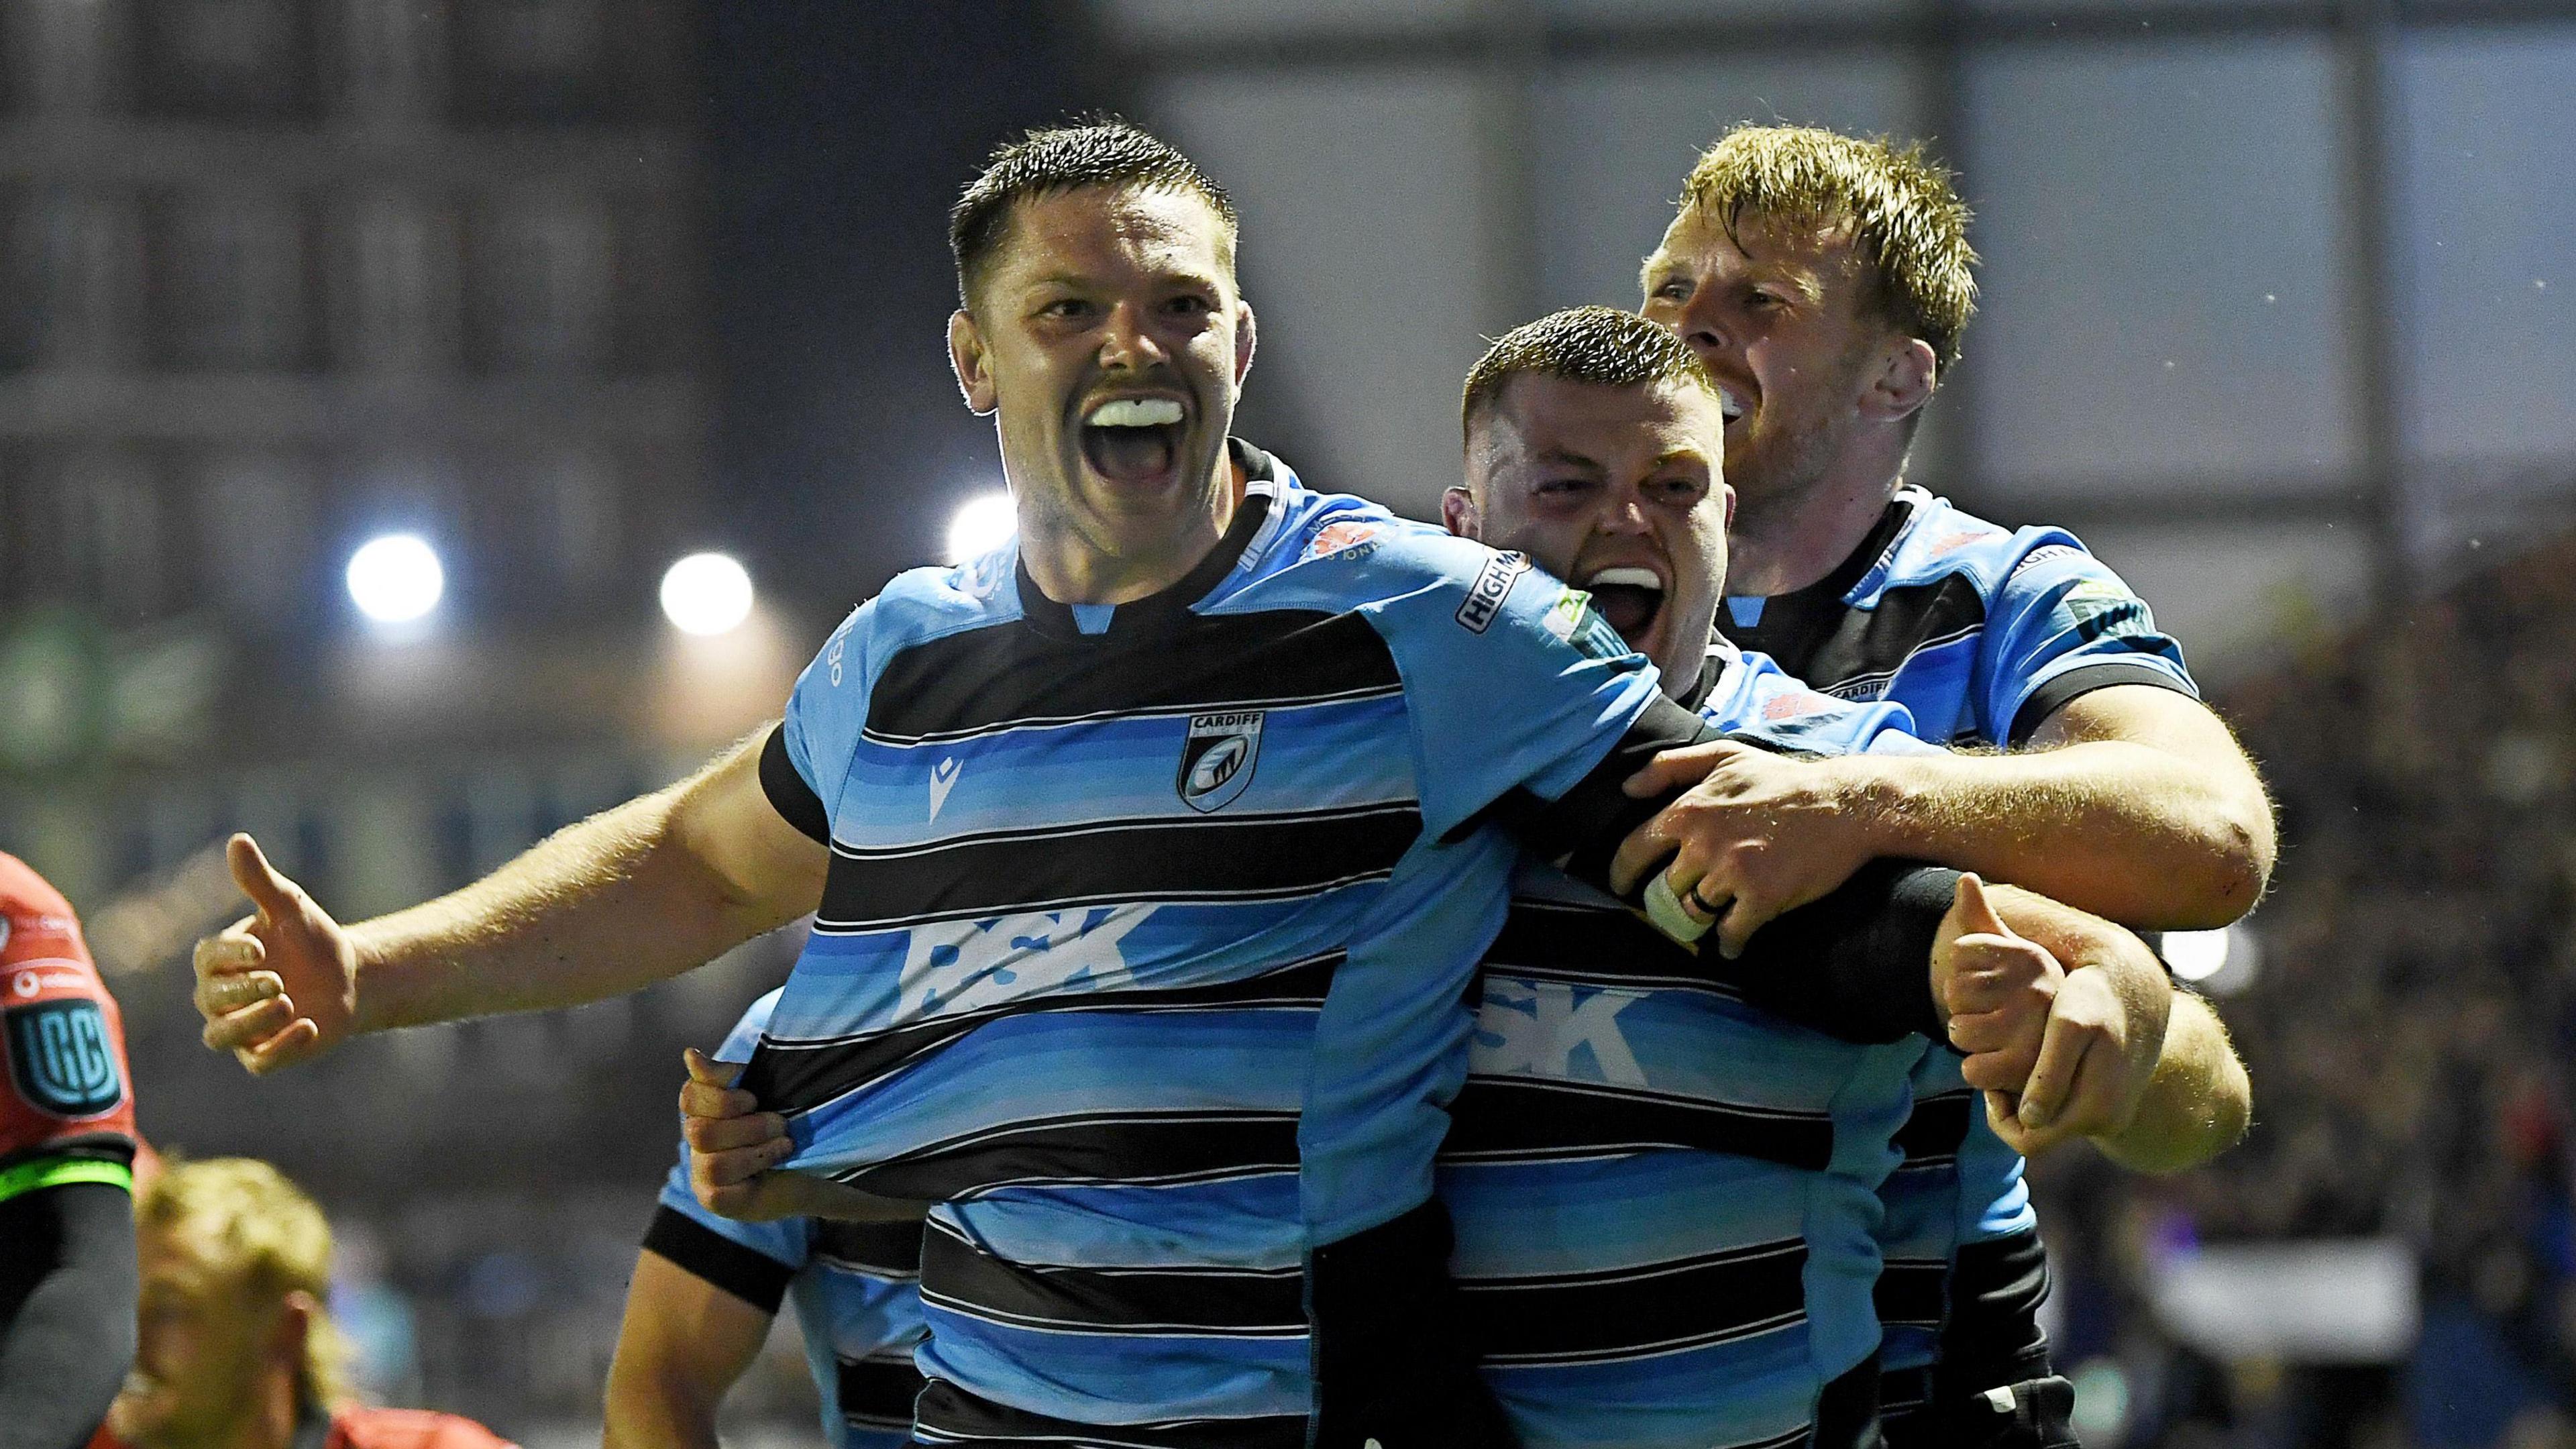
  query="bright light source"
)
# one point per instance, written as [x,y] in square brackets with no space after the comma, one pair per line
[706,593]
[396,578]
[2221,962]
[982,523]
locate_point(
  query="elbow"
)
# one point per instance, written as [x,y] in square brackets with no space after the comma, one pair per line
[2231,866]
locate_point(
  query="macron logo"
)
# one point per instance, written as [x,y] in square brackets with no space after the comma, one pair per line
[943,778]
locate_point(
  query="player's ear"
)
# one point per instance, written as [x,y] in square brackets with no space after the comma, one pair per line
[1904,382]
[1247,334]
[1458,511]
[1729,490]
[299,1317]
[972,364]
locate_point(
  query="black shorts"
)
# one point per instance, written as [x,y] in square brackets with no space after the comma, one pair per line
[1994,1386]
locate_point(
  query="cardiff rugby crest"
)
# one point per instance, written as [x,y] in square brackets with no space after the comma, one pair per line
[1217,759]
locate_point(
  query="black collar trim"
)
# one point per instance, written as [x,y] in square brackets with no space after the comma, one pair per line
[1157,613]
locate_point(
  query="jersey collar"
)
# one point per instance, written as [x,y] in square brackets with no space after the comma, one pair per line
[1157,613]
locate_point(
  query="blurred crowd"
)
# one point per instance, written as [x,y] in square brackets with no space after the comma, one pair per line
[2406,1031]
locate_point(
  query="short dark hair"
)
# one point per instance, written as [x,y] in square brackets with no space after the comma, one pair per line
[1102,151]
[1599,345]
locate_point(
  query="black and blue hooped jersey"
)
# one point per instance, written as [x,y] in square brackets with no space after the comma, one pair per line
[1147,937]
[856,1286]
[1982,633]
[1665,1197]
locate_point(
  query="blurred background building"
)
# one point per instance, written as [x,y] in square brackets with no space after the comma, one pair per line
[2278,314]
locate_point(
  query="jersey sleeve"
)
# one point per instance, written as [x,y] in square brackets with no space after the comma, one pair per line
[752,1261]
[1511,680]
[2061,625]
[1760,703]
[806,756]
[66,1110]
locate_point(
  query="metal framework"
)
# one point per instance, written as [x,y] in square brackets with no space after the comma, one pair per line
[1511,43]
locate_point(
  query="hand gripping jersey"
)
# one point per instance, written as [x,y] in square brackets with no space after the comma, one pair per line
[1146,941]
[1665,1198]
[1982,633]
[857,1287]
[65,1112]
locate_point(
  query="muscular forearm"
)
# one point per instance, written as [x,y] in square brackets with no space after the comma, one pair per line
[2125,830]
[2196,1105]
[600,908]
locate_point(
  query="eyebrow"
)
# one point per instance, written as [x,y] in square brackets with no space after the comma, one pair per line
[1571,460]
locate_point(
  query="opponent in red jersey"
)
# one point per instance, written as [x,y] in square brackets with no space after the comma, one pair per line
[238,1350]
[66,1149]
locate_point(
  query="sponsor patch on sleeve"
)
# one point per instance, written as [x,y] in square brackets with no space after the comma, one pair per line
[62,1061]
[1573,620]
[1350,538]
[1484,602]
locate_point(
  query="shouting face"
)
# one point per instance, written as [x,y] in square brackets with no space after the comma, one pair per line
[1616,490]
[1779,313]
[1108,338]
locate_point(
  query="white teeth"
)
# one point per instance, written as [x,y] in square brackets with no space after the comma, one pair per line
[1728,404]
[1630,578]
[1135,412]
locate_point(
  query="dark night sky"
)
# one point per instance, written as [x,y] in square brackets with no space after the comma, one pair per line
[837,135]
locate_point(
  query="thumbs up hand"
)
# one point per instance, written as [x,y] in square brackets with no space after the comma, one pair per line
[1997,988]
[278,986]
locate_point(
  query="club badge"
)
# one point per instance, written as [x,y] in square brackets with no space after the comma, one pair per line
[1217,758]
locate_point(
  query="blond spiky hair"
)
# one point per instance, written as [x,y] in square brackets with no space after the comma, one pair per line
[242,1220]
[1905,219]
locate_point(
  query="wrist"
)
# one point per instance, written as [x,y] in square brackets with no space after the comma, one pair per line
[369,983]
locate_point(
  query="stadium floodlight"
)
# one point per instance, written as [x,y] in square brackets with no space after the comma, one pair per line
[706,594]
[396,578]
[981,524]
[2222,962]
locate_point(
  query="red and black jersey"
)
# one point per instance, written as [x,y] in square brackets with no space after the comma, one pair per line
[66,1110]
[359,1428]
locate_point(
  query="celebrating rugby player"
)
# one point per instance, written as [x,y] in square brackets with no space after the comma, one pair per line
[1664,1196]
[1826,282]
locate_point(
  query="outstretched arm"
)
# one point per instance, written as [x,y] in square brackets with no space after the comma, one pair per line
[631,896]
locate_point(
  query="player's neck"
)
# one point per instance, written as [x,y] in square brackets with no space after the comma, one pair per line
[1072,569]
[1782,543]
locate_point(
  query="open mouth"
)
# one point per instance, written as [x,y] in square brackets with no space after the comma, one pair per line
[1730,405]
[1134,441]
[1630,599]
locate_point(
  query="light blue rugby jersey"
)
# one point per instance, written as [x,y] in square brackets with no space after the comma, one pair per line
[1143,953]
[856,1287]
[1665,1198]
[1981,632]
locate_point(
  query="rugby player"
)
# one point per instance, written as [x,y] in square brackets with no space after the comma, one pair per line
[1664,1197]
[1154,852]
[237,1346]
[67,1276]
[1826,282]
[705,1289]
